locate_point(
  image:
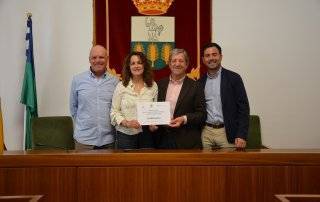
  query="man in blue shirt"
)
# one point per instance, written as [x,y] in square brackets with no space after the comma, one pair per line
[226,103]
[90,103]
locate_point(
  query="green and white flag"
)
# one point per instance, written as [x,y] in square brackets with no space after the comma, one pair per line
[29,91]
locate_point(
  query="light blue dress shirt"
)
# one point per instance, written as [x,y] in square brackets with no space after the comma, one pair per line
[213,98]
[90,104]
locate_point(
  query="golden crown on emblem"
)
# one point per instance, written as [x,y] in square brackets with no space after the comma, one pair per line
[152,7]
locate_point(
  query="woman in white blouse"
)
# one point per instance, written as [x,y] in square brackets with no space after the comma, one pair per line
[137,85]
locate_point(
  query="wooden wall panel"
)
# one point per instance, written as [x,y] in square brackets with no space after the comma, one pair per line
[248,183]
[261,183]
[144,184]
[55,184]
[158,176]
[194,183]
[305,179]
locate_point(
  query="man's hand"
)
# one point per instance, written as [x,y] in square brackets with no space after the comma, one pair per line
[240,143]
[153,128]
[177,122]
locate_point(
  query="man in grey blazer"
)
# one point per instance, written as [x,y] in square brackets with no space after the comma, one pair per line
[226,103]
[187,104]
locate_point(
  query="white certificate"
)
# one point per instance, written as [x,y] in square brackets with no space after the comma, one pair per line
[153,113]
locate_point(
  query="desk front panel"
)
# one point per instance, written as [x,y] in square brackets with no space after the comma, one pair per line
[195,183]
[138,176]
[54,183]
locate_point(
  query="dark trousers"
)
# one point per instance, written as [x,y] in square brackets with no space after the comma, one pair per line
[141,140]
[165,138]
[106,146]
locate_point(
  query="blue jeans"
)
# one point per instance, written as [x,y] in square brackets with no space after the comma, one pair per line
[141,140]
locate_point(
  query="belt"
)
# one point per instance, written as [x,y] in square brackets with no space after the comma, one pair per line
[220,125]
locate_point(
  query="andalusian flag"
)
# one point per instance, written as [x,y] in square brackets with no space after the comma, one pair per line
[1,130]
[29,92]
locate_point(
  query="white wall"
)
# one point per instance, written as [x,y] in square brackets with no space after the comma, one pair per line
[62,34]
[275,46]
[272,44]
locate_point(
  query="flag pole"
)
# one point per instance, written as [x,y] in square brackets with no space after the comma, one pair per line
[29,91]
[1,131]
[29,14]
[24,127]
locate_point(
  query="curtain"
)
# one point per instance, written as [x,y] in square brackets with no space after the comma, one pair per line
[112,29]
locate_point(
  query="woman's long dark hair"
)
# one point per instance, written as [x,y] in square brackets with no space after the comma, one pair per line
[147,71]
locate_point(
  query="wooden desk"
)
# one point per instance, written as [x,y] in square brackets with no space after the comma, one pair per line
[31,198]
[298,198]
[160,175]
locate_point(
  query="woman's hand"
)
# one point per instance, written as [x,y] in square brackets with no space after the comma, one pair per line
[131,124]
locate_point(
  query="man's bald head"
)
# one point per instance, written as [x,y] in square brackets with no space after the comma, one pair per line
[98,60]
